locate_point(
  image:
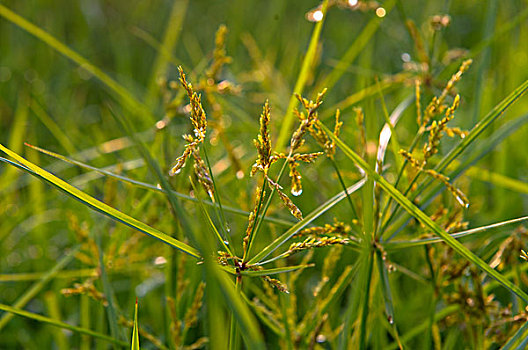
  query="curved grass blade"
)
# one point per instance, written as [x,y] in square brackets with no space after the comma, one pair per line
[496,112]
[135,332]
[303,223]
[56,323]
[287,121]
[485,147]
[100,206]
[133,105]
[425,220]
[240,311]
[419,242]
[148,186]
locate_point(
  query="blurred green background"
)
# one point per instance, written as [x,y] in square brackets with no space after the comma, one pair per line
[49,101]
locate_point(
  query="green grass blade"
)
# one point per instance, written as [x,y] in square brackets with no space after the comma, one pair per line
[522,333]
[387,294]
[53,127]
[39,285]
[275,270]
[56,323]
[222,241]
[414,243]
[425,220]
[484,148]
[287,121]
[111,309]
[337,289]
[170,39]
[245,319]
[135,332]
[131,103]
[100,206]
[497,179]
[482,125]
[279,241]
[17,133]
[152,187]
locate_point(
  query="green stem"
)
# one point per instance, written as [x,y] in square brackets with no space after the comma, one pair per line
[366,301]
[342,182]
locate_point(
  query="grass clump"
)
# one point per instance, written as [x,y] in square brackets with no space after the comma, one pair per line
[359,226]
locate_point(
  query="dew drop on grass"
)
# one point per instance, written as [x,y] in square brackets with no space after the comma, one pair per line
[176,171]
[462,202]
[226,242]
[240,174]
[296,192]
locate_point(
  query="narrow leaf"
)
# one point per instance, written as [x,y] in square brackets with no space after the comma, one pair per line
[100,206]
[425,220]
[135,332]
[56,323]
[323,208]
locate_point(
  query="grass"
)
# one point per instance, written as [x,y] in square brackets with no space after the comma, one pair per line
[382,204]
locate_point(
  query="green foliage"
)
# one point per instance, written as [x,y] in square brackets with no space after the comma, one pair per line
[294,230]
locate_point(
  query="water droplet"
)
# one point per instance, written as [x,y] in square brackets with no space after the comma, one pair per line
[175,171]
[239,174]
[296,192]
[317,16]
[158,186]
[226,242]
[381,12]
[390,319]
[352,3]
[462,202]
[228,229]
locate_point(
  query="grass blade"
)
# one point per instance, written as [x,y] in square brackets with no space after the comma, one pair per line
[287,121]
[303,223]
[418,242]
[245,320]
[152,187]
[56,323]
[135,332]
[100,206]
[274,271]
[482,125]
[131,103]
[170,39]
[387,294]
[37,287]
[425,220]
[521,333]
